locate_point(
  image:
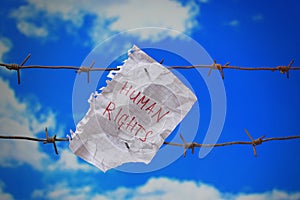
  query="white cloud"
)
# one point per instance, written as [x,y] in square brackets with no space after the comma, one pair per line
[4,195]
[68,161]
[5,46]
[26,118]
[167,14]
[233,23]
[30,29]
[164,188]
[257,18]
[204,1]
[274,195]
[37,17]
[19,118]
[157,188]
[62,191]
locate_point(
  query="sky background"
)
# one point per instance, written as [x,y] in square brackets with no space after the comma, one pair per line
[253,33]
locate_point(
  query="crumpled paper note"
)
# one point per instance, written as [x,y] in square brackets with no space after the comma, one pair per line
[130,118]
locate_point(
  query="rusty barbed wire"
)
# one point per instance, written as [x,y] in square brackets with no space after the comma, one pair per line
[253,142]
[283,69]
[215,66]
[46,140]
[185,145]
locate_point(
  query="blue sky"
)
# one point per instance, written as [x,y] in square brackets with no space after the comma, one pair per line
[256,33]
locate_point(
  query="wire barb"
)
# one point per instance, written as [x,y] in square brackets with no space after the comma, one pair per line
[87,70]
[50,140]
[286,69]
[161,61]
[256,142]
[218,67]
[187,146]
[17,67]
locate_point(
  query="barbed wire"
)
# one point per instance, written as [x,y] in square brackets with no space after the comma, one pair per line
[283,69]
[46,140]
[185,145]
[253,142]
[215,66]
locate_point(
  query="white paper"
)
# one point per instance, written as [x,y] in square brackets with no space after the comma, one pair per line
[130,119]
